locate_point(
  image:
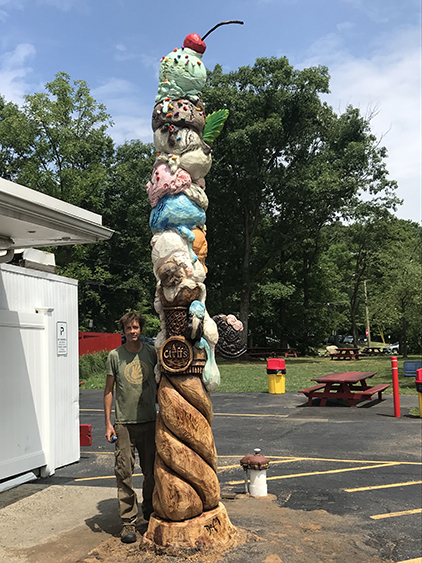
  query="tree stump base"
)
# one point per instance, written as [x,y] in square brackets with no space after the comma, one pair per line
[211,530]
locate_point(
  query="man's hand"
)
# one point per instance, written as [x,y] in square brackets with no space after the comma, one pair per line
[110,433]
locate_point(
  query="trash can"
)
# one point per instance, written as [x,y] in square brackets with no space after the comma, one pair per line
[276,370]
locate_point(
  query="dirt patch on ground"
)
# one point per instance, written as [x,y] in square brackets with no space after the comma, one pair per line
[68,524]
[266,533]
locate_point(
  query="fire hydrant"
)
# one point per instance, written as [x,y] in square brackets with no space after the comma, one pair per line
[419,389]
[255,466]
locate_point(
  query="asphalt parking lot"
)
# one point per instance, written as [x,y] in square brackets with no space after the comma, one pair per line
[356,473]
[336,458]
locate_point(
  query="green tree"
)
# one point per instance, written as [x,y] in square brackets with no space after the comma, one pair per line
[284,167]
[71,151]
[396,296]
[57,144]
[127,255]
[16,136]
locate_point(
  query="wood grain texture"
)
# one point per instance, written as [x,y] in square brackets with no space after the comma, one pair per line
[186,422]
[186,463]
[177,500]
[212,530]
[193,390]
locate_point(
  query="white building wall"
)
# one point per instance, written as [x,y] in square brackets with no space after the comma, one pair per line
[53,376]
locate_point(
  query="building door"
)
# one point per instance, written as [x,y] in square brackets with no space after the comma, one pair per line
[24,408]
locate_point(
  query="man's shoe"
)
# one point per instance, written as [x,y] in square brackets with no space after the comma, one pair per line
[128,534]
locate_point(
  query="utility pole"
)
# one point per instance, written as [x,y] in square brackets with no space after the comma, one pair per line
[368,330]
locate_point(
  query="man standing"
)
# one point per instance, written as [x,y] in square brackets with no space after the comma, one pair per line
[131,369]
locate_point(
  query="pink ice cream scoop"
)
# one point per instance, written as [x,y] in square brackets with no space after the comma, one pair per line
[163,182]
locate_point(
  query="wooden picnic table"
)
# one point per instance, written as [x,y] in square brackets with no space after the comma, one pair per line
[372,351]
[288,352]
[349,385]
[262,352]
[345,354]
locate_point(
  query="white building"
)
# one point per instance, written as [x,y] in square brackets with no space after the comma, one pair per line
[39,376]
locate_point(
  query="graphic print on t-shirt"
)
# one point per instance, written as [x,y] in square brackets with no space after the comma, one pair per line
[135,372]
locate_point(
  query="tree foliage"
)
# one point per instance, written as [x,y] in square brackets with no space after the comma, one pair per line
[285,166]
[299,216]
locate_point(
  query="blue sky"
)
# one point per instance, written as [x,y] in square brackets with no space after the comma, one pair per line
[371,47]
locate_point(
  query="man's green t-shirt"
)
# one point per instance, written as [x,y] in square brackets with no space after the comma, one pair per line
[135,383]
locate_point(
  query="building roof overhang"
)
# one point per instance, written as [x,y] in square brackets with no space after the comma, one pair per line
[32,219]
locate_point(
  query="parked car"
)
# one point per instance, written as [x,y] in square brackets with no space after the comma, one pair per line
[332,339]
[391,348]
[348,340]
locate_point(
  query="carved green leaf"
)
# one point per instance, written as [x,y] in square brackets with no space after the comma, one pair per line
[214,124]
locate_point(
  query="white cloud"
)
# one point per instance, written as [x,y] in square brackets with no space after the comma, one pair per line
[388,79]
[379,11]
[9,5]
[345,26]
[65,5]
[14,70]
[131,118]
[113,87]
[126,127]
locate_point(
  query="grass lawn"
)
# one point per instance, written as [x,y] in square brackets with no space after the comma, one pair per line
[252,376]
[243,376]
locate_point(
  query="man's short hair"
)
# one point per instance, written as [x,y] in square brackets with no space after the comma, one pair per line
[129,318]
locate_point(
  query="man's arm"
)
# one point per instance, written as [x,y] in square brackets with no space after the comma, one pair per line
[108,404]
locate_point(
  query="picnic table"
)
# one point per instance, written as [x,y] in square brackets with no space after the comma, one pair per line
[288,352]
[372,351]
[349,385]
[262,352]
[345,354]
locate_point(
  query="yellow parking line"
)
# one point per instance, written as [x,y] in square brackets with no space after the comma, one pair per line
[394,514]
[105,477]
[237,466]
[93,410]
[292,476]
[215,414]
[286,459]
[331,459]
[417,560]
[251,415]
[383,486]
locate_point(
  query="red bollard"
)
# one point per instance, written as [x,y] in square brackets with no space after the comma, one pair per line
[396,393]
[419,389]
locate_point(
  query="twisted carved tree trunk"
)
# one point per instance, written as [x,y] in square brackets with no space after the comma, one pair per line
[186,460]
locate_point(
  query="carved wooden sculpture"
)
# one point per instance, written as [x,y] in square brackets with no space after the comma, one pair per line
[187,512]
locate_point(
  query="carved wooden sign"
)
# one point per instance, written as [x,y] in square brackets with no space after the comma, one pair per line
[176,354]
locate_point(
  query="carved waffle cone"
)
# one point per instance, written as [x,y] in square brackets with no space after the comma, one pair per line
[176,320]
[186,461]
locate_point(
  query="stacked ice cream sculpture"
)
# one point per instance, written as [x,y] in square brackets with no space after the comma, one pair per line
[186,462]
[177,193]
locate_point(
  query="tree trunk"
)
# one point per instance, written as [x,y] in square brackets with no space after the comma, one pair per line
[403,338]
[245,294]
[306,300]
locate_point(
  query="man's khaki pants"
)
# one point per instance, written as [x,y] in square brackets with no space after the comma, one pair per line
[129,437]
